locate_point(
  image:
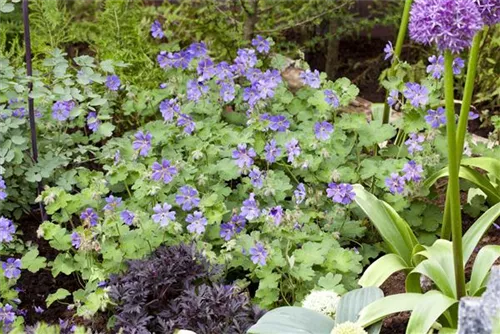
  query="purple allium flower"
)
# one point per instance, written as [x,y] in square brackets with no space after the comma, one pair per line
[156,30]
[392,99]
[250,209]
[227,91]
[292,149]
[458,64]
[113,82]
[163,171]
[331,98]
[412,171]
[435,118]
[169,108]
[3,187]
[93,122]
[90,217]
[258,254]
[62,109]
[414,142]
[388,50]
[310,78]
[187,122]
[195,90]
[436,66]
[489,10]
[76,240]
[272,151]
[244,157]
[276,214]
[7,229]
[188,198]
[256,177]
[11,268]
[473,115]
[261,44]
[142,143]
[163,215]
[223,71]
[38,309]
[197,222]
[299,193]
[451,24]
[7,315]
[127,217]
[417,94]
[197,50]
[340,193]
[206,69]
[322,130]
[395,183]
[112,203]
[278,123]
[246,59]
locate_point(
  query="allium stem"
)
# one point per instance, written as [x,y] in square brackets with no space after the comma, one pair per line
[462,122]
[453,182]
[403,27]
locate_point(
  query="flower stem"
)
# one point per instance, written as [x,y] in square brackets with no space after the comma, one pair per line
[462,121]
[453,182]
[403,27]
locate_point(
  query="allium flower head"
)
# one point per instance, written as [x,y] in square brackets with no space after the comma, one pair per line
[93,122]
[197,222]
[490,11]
[292,149]
[311,79]
[7,229]
[388,50]
[412,171]
[163,171]
[169,108]
[435,118]
[90,217]
[258,254]
[142,143]
[331,98]
[299,193]
[417,94]
[324,302]
[113,82]
[261,44]
[348,327]
[162,214]
[451,24]
[250,209]
[395,183]
[244,156]
[127,217]
[413,143]
[156,30]
[11,268]
[272,151]
[188,198]
[62,109]
[340,193]
[322,130]
[3,187]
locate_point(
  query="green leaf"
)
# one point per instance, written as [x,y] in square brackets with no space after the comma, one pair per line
[491,165]
[381,308]
[331,282]
[292,320]
[380,270]
[64,263]
[394,230]
[482,265]
[478,229]
[106,129]
[58,295]
[32,261]
[430,308]
[353,302]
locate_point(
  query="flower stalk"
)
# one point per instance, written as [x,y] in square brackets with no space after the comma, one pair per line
[453,181]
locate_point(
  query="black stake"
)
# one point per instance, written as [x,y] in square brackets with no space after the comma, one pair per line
[31,109]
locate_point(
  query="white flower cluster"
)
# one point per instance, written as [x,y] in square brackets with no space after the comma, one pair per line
[348,328]
[324,302]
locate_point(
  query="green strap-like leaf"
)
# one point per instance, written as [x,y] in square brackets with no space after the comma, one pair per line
[469,174]
[430,308]
[353,302]
[394,230]
[293,320]
[380,270]
[491,165]
[478,229]
[443,280]
[381,308]
[482,265]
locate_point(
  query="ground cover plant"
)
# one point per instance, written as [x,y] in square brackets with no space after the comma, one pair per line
[210,188]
